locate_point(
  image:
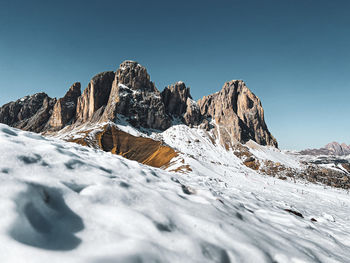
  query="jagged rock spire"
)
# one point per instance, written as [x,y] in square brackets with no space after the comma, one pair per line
[65,108]
[179,103]
[94,97]
[135,97]
[238,113]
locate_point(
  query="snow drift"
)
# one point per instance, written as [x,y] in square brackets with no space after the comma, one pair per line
[61,202]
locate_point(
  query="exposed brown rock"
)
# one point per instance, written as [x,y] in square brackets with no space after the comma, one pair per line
[238,113]
[143,150]
[135,97]
[182,169]
[252,164]
[65,109]
[94,97]
[346,166]
[330,177]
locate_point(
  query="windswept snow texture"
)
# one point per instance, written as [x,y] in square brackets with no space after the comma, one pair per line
[61,202]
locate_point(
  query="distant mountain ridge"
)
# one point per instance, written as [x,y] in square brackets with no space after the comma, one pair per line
[333,148]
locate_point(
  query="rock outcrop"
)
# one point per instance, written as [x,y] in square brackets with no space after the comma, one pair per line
[91,104]
[238,114]
[140,149]
[135,97]
[175,98]
[178,103]
[65,109]
[30,113]
[193,114]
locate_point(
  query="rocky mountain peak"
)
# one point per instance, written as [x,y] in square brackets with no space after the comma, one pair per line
[74,90]
[238,113]
[134,76]
[136,98]
[129,64]
[65,109]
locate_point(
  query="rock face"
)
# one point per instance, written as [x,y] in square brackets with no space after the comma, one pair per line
[332,148]
[178,103]
[65,109]
[95,97]
[193,114]
[175,98]
[238,113]
[30,113]
[135,97]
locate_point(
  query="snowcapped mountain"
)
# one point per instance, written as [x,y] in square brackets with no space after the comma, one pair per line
[333,148]
[68,203]
[122,172]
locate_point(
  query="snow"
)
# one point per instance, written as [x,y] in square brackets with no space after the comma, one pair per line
[273,154]
[123,86]
[24,98]
[126,91]
[193,103]
[196,146]
[124,126]
[79,132]
[61,202]
[70,104]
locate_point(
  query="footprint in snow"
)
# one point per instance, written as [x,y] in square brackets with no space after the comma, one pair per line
[44,220]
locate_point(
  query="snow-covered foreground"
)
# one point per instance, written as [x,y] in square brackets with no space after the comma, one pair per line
[61,202]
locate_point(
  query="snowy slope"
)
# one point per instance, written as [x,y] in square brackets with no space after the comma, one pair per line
[196,144]
[61,202]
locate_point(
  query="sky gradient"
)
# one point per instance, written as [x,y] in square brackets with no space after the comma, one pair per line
[294,55]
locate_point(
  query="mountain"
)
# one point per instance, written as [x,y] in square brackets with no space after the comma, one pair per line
[124,113]
[235,113]
[332,148]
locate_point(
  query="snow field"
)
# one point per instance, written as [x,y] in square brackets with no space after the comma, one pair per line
[61,202]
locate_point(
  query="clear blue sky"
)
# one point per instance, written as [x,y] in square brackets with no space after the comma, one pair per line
[294,55]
